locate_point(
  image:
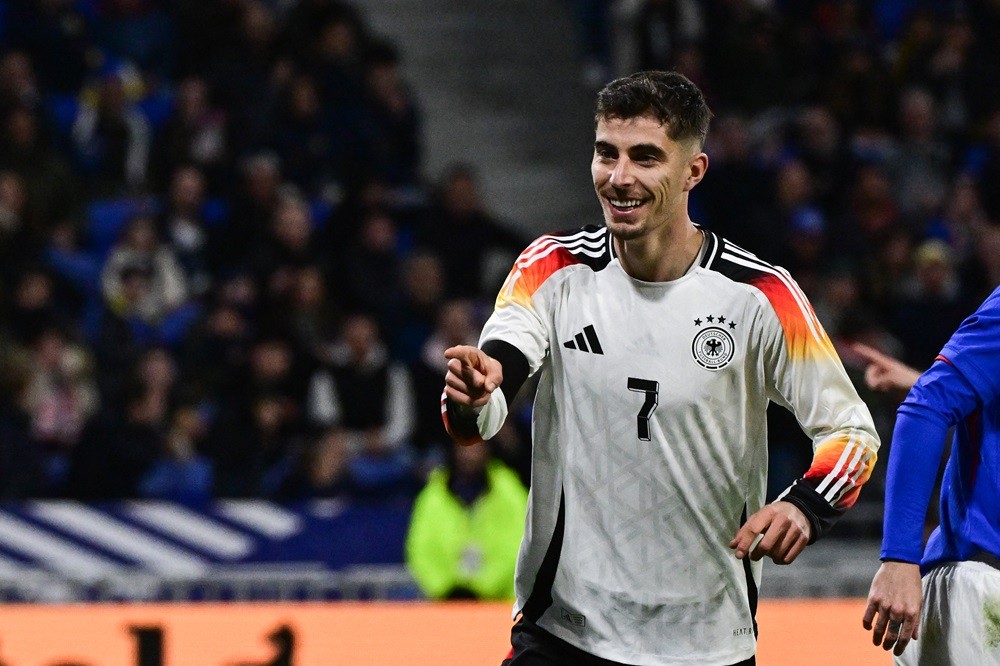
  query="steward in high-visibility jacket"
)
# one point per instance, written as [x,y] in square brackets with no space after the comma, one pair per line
[464,545]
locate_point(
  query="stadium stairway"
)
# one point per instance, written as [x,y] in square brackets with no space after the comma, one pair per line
[498,83]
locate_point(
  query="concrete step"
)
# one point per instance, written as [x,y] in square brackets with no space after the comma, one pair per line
[497,82]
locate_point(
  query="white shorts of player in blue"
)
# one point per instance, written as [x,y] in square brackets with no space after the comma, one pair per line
[960,621]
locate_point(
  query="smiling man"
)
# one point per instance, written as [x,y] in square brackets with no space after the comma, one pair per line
[659,346]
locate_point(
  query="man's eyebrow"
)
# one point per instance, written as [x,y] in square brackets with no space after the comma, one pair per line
[647,149]
[603,144]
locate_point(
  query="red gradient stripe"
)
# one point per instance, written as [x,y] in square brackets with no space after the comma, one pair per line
[529,273]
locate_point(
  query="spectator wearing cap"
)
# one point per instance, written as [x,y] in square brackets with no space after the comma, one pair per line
[931,305]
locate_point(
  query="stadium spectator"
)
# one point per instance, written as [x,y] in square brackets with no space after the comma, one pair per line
[194,133]
[455,325]
[181,473]
[369,270]
[394,117]
[288,246]
[314,315]
[15,236]
[417,305]
[112,138]
[259,420]
[360,389]
[254,203]
[919,164]
[185,228]
[467,237]
[61,397]
[140,251]
[116,450]
[18,85]
[322,470]
[302,136]
[929,305]
[465,527]
[22,470]
[52,190]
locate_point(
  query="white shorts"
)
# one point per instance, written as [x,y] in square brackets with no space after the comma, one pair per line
[960,620]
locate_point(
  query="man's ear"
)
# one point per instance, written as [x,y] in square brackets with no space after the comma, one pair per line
[696,170]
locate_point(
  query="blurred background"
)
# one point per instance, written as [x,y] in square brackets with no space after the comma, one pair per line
[237,235]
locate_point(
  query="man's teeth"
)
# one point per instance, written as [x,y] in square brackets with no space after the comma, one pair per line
[629,203]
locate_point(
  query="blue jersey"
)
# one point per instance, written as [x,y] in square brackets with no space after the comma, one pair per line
[961,389]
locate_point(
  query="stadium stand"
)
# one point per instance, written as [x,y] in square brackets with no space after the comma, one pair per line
[854,142]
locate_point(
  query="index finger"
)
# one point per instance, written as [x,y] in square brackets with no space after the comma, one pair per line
[463,354]
[869,354]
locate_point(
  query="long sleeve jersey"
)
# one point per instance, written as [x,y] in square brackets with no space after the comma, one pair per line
[650,442]
[961,390]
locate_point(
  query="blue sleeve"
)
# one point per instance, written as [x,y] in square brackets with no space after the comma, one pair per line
[965,376]
[974,349]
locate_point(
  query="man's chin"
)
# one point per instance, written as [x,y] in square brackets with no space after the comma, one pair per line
[624,232]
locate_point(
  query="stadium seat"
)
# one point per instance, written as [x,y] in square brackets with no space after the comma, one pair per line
[107,217]
[320,210]
[156,108]
[62,109]
[215,211]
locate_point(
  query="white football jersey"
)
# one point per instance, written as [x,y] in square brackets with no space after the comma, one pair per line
[650,442]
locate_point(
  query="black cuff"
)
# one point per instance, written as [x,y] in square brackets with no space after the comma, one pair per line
[821,515]
[463,422]
[514,364]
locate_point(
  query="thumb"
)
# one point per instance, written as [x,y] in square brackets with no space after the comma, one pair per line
[493,373]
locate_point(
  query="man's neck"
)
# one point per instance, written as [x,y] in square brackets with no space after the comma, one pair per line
[661,257]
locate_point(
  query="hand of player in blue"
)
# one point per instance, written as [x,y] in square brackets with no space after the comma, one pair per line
[472,375]
[783,529]
[896,597]
[883,372]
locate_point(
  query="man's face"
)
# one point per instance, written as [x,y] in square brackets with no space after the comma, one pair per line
[641,175]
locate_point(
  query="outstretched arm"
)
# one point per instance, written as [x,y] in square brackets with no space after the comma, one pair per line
[883,372]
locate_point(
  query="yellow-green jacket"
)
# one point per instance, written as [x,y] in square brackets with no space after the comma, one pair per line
[450,545]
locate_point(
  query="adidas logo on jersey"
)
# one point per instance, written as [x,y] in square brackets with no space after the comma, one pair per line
[585,341]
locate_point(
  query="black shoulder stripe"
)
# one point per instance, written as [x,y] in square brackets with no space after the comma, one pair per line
[746,270]
[591,245]
[711,248]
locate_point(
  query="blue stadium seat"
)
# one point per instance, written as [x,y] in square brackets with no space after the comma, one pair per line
[107,217]
[321,210]
[215,211]
[62,109]
[156,108]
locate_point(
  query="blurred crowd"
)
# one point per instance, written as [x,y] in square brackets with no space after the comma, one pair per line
[224,272]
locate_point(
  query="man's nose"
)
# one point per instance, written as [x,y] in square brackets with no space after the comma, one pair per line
[621,175]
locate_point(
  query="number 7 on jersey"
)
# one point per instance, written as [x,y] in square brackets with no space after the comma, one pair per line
[652,391]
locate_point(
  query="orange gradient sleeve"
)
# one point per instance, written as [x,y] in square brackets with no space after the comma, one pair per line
[805,337]
[537,263]
[839,468]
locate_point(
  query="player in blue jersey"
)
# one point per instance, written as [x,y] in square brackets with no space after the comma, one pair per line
[960,618]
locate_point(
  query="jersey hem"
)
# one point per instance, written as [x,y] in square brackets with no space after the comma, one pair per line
[645,659]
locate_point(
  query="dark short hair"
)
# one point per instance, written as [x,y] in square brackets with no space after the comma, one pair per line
[669,97]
